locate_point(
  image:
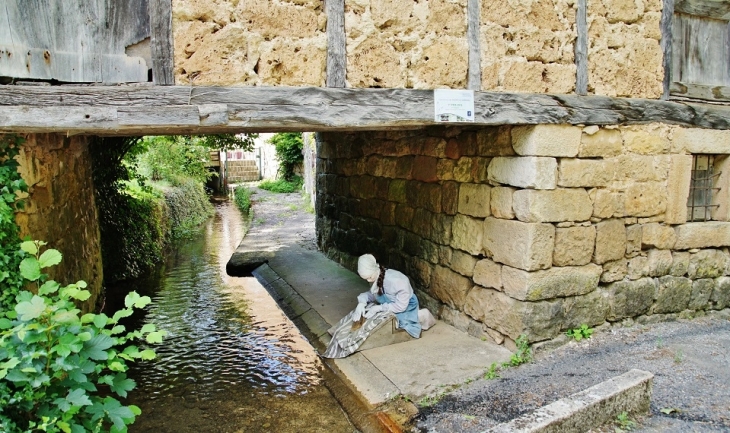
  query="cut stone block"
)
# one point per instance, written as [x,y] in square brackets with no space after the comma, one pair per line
[574,245]
[585,172]
[546,140]
[467,234]
[474,199]
[702,235]
[524,172]
[527,246]
[551,283]
[488,274]
[564,204]
[610,241]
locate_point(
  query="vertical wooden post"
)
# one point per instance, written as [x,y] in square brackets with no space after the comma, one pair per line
[581,48]
[161,42]
[336,48]
[474,79]
[666,44]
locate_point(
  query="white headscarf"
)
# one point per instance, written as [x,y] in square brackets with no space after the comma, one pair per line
[368,267]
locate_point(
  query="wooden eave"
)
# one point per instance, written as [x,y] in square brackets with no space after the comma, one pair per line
[157,110]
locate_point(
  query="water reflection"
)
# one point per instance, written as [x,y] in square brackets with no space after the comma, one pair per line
[232,361]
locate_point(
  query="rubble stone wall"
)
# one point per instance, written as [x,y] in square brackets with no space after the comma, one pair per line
[253,42]
[531,229]
[525,46]
[60,208]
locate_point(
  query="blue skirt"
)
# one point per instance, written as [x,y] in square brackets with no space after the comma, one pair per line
[407,319]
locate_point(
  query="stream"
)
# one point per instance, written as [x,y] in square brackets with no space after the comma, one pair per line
[232,361]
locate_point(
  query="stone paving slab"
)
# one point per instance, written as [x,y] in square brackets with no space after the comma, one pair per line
[319,292]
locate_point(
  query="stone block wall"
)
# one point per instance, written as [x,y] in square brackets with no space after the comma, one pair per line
[531,229]
[60,208]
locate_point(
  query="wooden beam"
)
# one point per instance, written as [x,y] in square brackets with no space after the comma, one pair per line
[133,110]
[474,78]
[717,9]
[581,48]
[666,27]
[161,41]
[699,91]
[336,43]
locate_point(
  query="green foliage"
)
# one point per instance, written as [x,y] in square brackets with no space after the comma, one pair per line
[624,423]
[242,197]
[289,147]
[580,333]
[187,207]
[283,186]
[137,221]
[60,370]
[493,372]
[10,185]
[172,158]
[523,354]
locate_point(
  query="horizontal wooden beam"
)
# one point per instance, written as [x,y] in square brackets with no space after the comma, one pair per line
[141,110]
[700,91]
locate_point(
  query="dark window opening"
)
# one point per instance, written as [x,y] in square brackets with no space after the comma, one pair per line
[702,188]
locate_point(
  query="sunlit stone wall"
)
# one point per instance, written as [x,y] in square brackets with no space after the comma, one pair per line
[532,229]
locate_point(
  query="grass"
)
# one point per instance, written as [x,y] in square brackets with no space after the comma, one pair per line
[282,186]
[242,197]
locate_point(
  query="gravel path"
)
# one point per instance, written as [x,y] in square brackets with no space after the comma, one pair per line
[690,360]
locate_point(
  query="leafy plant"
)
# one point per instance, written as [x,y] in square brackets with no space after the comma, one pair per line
[523,354]
[624,423]
[580,333]
[493,372]
[10,185]
[59,370]
[678,356]
[282,186]
[288,147]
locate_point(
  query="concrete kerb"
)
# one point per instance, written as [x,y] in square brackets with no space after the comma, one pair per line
[590,408]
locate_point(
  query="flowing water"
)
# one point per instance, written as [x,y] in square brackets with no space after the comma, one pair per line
[232,361]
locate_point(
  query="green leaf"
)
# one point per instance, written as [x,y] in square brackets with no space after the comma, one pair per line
[148,327]
[142,302]
[117,366]
[124,312]
[29,247]
[31,310]
[63,426]
[148,354]
[49,258]
[130,299]
[66,317]
[100,320]
[135,410]
[5,323]
[97,346]
[30,269]
[78,397]
[48,287]
[155,337]
[122,384]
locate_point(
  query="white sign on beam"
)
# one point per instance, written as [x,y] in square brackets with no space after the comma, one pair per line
[453,105]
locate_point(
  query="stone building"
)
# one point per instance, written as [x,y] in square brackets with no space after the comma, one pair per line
[592,187]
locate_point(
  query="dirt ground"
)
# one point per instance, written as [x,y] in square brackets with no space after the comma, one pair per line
[690,360]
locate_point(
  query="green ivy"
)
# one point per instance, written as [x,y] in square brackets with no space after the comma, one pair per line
[187,207]
[242,197]
[10,254]
[60,370]
[289,147]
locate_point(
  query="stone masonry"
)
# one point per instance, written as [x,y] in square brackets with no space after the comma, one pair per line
[60,208]
[531,229]
[525,46]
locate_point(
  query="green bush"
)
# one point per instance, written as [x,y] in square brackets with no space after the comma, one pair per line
[59,371]
[289,147]
[242,197]
[283,186]
[10,255]
[187,206]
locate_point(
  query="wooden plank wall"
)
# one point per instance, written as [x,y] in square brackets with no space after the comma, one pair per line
[72,41]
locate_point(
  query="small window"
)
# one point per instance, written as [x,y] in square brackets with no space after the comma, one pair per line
[703,189]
